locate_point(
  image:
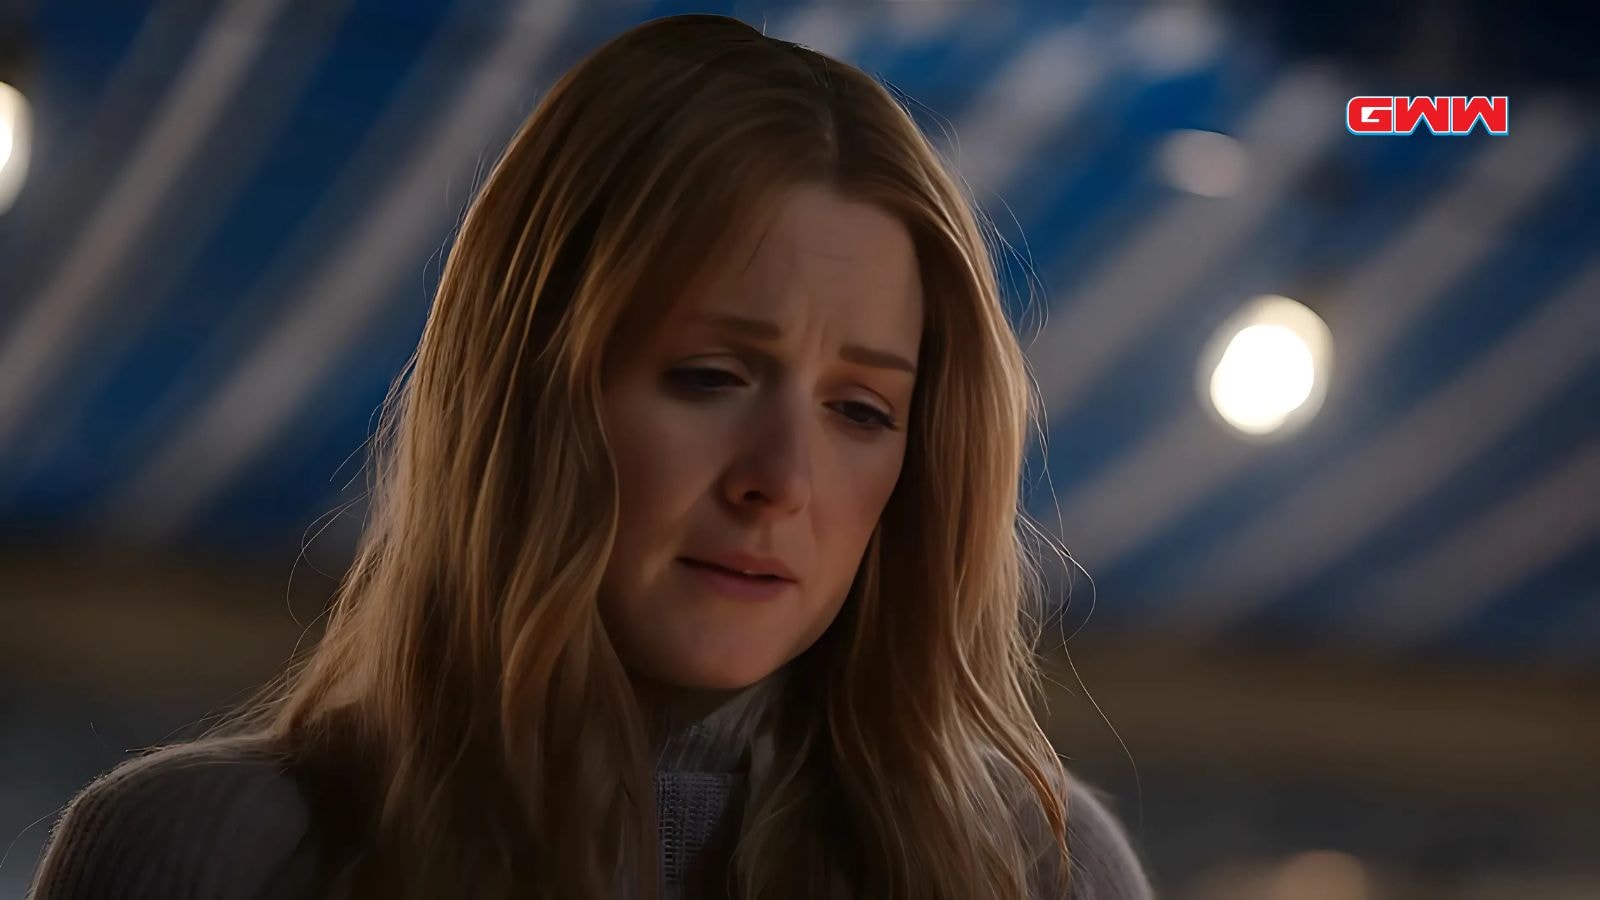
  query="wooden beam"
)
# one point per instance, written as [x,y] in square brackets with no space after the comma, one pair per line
[1475,731]
[128,629]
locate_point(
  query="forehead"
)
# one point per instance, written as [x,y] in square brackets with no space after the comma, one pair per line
[816,260]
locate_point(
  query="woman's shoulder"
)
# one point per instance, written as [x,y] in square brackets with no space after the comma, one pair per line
[1105,865]
[215,819]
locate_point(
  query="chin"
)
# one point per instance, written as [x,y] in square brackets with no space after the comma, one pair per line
[721,674]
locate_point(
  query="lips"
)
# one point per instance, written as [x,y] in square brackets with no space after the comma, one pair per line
[700,564]
[743,563]
[720,581]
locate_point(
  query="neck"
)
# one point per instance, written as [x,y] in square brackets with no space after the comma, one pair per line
[703,730]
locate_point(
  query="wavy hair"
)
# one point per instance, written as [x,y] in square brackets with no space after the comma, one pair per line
[474,730]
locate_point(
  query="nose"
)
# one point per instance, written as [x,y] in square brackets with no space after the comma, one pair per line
[772,472]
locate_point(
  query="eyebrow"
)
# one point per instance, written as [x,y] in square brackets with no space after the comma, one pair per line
[770,331]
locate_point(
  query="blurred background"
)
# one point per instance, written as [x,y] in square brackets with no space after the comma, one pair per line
[1322,408]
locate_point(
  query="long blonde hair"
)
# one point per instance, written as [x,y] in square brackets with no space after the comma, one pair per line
[465,705]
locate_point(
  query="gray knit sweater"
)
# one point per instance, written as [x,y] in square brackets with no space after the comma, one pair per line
[217,823]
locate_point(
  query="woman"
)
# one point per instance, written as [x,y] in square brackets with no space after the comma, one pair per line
[695,565]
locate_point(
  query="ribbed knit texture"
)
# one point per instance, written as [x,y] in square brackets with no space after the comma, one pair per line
[227,823]
[702,769]
[183,824]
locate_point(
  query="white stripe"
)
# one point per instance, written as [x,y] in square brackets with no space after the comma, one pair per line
[257,399]
[125,97]
[46,335]
[824,27]
[1155,269]
[1165,475]
[169,242]
[1051,79]
[919,21]
[1462,574]
[1047,82]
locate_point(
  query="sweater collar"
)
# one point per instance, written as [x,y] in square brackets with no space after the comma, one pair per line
[706,731]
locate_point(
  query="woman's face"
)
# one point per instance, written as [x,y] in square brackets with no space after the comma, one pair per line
[764,419]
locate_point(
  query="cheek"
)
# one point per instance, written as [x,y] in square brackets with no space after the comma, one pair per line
[661,462]
[856,496]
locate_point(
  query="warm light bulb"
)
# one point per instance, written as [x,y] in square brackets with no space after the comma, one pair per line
[1268,366]
[1265,374]
[14,131]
